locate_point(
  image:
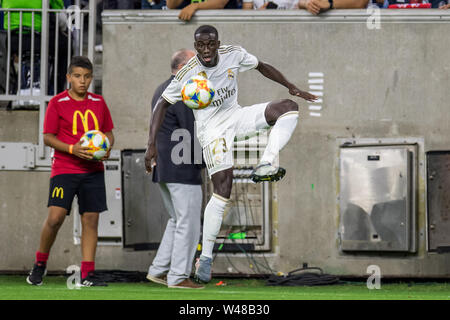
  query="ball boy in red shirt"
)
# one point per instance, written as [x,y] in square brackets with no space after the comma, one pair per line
[74,172]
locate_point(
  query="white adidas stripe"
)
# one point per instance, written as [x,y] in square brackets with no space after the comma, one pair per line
[93,99]
[64,99]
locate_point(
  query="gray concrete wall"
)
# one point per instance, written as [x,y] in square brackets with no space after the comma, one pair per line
[386,83]
[23,209]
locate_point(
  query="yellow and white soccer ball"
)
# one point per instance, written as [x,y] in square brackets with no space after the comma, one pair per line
[197,93]
[97,142]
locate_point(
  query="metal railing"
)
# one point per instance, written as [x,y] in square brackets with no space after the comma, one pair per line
[64,44]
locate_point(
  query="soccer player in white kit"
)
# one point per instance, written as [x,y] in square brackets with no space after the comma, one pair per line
[223,121]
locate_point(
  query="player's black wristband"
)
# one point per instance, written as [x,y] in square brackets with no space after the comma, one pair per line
[331,4]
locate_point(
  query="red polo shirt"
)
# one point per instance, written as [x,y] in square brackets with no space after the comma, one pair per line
[69,119]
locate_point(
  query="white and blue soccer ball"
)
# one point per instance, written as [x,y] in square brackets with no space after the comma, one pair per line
[197,93]
[97,142]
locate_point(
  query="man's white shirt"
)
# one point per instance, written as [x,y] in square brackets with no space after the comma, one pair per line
[232,59]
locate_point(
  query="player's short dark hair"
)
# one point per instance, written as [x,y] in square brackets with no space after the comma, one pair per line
[80,61]
[206,29]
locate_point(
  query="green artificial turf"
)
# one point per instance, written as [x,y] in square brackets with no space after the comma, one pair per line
[55,288]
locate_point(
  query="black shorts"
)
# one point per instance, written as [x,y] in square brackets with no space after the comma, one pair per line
[88,187]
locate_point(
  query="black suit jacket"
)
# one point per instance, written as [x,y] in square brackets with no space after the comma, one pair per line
[178,116]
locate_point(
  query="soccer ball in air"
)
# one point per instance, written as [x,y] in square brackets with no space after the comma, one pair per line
[197,92]
[97,142]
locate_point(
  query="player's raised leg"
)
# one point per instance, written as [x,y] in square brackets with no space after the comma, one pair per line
[283,116]
[55,219]
[212,221]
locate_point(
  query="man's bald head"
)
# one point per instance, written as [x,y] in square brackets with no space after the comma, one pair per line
[180,58]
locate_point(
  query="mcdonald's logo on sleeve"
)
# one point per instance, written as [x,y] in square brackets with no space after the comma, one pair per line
[58,192]
[84,120]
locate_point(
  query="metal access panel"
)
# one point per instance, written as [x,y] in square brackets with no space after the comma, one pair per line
[377,198]
[145,217]
[110,222]
[245,226]
[438,200]
[17,156]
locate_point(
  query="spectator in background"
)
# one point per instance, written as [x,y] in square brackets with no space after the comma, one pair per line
[154,4]
[67,3]
[1,18]
[26,16]
[180,186]
[119,4]
[441,4]
[14,21]
[189,7]
[273,4]
[378,3]
[319,6]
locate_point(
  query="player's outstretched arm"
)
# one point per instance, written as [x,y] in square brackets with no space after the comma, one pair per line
[272,73]
[82,152]
[159,112]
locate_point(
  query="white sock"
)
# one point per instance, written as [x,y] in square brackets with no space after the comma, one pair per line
[212,221]
[280,135]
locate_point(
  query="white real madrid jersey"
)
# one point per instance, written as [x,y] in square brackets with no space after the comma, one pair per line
[232,59]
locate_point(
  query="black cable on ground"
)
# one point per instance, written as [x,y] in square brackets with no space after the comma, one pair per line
[300,277]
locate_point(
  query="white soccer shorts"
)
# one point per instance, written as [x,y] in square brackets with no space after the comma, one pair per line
[245,122]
